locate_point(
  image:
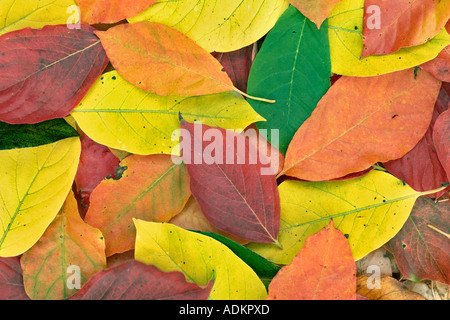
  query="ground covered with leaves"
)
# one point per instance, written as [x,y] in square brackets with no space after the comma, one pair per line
[224,150]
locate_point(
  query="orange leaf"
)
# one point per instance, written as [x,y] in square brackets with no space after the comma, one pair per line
[162,60]
[68,241]
[361,121]
[388,289]
[111,11]
[324,269]
[401,23]
[148,188]
[315,10]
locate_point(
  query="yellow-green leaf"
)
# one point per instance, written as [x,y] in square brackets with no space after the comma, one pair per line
[67,243]
[217,25]
[369,211]
[19,14]
[34,185]
[119,115]
[345,25]
[200,258]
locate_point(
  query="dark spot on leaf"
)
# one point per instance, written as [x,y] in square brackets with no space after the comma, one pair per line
[119,172]
[114,78]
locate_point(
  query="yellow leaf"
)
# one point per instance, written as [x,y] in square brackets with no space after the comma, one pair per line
[34,184]
[119,115]
[345,25]
[200,258]
[217,25]
[369,211]
[19,14]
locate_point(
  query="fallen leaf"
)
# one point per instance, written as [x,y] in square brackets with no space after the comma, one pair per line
[146,121]
[420,250]
[68,241]
[143,53]
[403,23]
[439,67]
[11,280]
[134,280]
[111,11]
[285,71]
[323,270]
[350,131]
[420,168]
[37,63]
[19,14]
[38,180]
[369,211]
[147,187]
[200,258]
[96,163]
[192,218]
[237,65]
[345,27]
[217,25]
[34,135]
[233,191]
[390,289]
[441,138]
[316,11]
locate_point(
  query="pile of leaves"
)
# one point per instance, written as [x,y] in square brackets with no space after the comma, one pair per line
[344,102]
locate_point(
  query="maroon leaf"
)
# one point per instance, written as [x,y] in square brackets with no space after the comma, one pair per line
[237,192]
[420,249]
[237,65]
[44,73]
[134,280]
[96,163]
[421,168]
[11,280]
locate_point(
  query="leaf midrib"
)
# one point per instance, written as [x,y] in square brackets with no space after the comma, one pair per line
[345,213]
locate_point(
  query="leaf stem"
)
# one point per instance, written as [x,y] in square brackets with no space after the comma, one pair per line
[426,193]
[252,97]
[440,231]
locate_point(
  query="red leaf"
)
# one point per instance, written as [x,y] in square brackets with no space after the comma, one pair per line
[134,280]
[96,163]
[237,65]
[46,72]
[441,138]
[11,280]
[420,168]
[421,252]
[235,198]
[439,67]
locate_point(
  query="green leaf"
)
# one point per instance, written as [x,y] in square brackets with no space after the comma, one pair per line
[13,136]
[293,68]
[265,269]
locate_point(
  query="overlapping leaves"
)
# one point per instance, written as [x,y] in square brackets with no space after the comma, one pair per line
[170,172]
